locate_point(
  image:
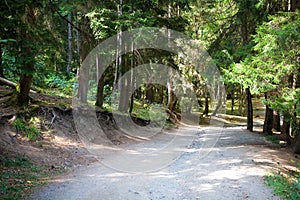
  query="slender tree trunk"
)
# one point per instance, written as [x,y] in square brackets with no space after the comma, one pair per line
[295,85]
[77,42]
[241,101]
[170,96]
[131,103]
[150,93]
[232,101]
[118,60]
[268,123]
[1,67]
[219,96]
[160,94]
[286,128]
[69,44]
[206,103]
[249,110]
[276,120]
[100,93]
[100,77]
[132,79]
[124,86]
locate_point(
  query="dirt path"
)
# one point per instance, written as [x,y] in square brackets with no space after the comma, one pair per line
[232,168]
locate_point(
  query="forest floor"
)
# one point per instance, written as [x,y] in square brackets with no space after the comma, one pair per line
[233,167]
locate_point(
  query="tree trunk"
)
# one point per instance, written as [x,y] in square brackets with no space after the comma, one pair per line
[124,87]
[286,128]
[150,93]
[100,93]
[131,103]
[296,143]
[1,67]
[160,94]
[206,103]
[232,101]
[293,5]
[69,44]
[85,43]
[77,41]
[27,73]
[241,96]
[25,83]
[219,103]
[295,85]
[276,121]
[249,110]
[28,58]
[268,123]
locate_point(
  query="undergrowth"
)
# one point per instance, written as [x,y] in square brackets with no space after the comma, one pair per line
[26,129]
[272,138]
[19,176]
[287,187]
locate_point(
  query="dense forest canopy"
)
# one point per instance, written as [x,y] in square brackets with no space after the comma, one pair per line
[254,43]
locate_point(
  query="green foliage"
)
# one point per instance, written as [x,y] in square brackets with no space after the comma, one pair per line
[272,139]
[287,187]
[19,124]
[30,131]
[60,83]
[18,176]
[274,61]
[147,111]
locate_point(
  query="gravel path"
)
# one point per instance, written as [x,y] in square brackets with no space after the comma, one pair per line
[229,165]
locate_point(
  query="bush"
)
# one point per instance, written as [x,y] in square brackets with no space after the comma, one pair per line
[30,131]
[61,82]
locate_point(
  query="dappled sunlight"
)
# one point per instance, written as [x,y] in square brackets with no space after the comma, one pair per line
[237,159]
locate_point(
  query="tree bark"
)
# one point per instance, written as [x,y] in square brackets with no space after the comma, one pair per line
[276,121]
[232,101]
[268,123]
[85,45]
[249,110]
[296,143]
[100,93]
[160,94]
[206,103]
[219,103]
[294,4]
[28,58]
[25,83]
[150,93]
[69,44]
[286,128]
[124,86]
[1,67]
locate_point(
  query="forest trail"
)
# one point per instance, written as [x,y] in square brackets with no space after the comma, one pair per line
[233,169]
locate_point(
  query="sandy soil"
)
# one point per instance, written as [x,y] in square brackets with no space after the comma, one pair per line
[232,167]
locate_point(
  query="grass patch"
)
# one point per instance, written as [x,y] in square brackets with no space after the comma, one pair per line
[272,138]
[287,187]
[19,176]
[28,130]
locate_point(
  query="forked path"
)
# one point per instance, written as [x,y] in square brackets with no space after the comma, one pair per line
[231,168]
